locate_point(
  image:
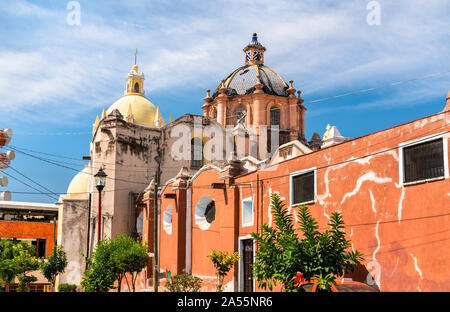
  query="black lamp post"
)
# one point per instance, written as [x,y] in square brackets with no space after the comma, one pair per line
[100,181]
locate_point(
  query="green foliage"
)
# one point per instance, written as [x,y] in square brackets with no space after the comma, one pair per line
[24,262]
[54,265]
[113,260]
[67,288]
[281,254]
[184,283]
[100,277]
[222,263]
[324,283]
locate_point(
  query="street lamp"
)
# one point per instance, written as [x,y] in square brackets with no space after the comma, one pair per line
[100,181]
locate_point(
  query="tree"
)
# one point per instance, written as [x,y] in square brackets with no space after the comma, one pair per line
[54,265]
[281,254]
[112,260]
[222,262]
[24,262]
[16,260]
[128,257]
[100,277]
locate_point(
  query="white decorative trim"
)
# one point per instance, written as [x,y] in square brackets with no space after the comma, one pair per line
[204,168]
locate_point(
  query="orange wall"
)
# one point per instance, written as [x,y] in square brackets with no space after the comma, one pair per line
[403,231]
[21,229]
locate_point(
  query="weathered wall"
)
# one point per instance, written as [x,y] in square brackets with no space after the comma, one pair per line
[72,235]
[403,231]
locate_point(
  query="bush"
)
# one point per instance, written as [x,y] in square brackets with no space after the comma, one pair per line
[67,288]
[184,283]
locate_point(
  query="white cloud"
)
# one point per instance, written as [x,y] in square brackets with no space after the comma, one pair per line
[325,48]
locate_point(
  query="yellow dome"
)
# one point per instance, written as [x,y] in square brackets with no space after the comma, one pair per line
[79,183]
[143,110]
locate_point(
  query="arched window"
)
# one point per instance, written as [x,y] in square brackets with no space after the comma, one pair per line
[196,153]
[274,116]
[241,114]
[136,87]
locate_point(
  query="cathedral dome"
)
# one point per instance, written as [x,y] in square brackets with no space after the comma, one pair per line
[79,183]
[142,109]
[242,81]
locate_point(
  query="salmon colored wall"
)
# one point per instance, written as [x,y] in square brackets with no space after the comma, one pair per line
[221,235]
[172,253]
[403,231]
[21,229]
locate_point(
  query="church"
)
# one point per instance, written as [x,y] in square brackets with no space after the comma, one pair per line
[214,175]
[131,141]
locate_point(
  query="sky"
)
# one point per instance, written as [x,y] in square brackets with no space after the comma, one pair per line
[58,71]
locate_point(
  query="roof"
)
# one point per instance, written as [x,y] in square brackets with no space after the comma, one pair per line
[27,206]
[242,81]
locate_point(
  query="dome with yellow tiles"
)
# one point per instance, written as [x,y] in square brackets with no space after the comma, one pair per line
[79,184]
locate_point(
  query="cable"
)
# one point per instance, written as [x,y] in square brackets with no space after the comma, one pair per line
[30,186]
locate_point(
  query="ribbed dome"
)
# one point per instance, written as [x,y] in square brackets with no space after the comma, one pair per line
[243,80]
[79,183]
[143,110]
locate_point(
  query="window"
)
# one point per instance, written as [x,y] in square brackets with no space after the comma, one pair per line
[241,114]
[41,247]
[205,212]
[210,212]
[196,153]
[423,161]
[136,87]
[303,187]
[167,220]
[274,116]
[247,212]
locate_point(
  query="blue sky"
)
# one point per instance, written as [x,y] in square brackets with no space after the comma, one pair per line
[55,77]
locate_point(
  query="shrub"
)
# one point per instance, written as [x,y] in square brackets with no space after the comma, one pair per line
[67,288]
[184,283]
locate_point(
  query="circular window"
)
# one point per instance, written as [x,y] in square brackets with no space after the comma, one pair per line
[167,220]
[205,212]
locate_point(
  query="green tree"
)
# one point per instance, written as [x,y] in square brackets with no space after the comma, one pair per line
[24,262]
[100,277]
[113,260]
[54,265]
[128,257]
[281,253]
[222,262]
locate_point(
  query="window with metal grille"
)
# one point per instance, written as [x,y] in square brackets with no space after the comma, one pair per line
[303,188]
[274,116]
[240,112]
[196,153]
[423,161]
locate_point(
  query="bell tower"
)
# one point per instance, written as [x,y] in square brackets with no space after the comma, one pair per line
[135,80]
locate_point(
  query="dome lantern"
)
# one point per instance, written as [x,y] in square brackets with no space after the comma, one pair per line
[135,80]
[254,52]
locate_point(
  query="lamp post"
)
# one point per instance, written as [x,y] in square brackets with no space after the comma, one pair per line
[100,181]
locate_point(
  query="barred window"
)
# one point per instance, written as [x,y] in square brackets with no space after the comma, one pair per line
[274,116]
[196,153]
[302,188]
[423,161]
[241,113]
